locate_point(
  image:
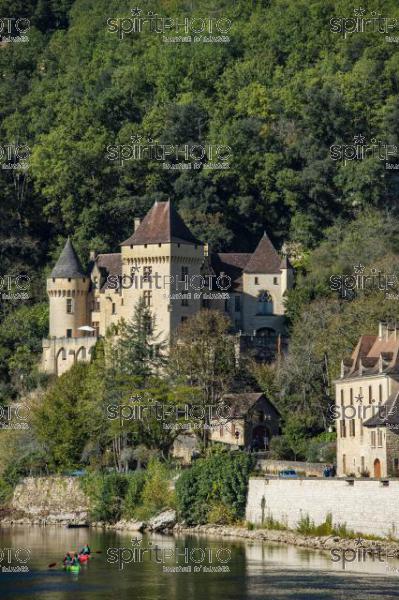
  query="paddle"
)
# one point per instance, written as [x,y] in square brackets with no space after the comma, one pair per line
[52,565]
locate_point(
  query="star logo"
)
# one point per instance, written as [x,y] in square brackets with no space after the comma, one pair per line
[136,11]
[135,138]
[359,541]
[359,139]
[359,12]
[136,542]
[358,269]
[359,398]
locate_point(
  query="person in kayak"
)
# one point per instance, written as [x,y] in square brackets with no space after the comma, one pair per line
[75,560]
[85,550]
[67,559]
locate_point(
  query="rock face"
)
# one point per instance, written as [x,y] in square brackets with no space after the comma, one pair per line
[164,521]
[50,500]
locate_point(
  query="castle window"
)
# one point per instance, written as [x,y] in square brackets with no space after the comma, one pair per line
[145,245]
[396,463]
[373,439]
[69,306]
[342,428]
[53,279]
[131,245]
[69,279]
[351,395]
[370,394]
[178,245]
[380,393]
[237,303]
[147,273]
[275,280]
[352,427]
[69,333]
[147,297]
[160,245]
[342,397]
[113,308]
[184,272]
[256,280]
[265,303]
[96,326]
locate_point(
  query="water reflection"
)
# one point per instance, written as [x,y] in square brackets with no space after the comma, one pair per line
[255,570]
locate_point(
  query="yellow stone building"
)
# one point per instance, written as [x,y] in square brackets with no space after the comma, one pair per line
[367,407]
[177,275]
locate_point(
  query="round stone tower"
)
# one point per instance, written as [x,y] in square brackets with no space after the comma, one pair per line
[67,289]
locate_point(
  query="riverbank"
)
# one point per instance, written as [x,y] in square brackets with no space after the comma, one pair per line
[325,543]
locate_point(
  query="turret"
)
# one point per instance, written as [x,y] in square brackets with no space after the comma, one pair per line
[67,288]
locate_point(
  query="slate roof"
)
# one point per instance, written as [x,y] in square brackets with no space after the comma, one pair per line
[161,225]
[242,402]
[232,264]
[265,258]
[68,264]
[385,414]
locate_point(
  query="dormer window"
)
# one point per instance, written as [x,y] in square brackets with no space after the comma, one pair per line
[256,280]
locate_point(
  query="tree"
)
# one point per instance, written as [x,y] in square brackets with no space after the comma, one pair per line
[58,422]
[203,356]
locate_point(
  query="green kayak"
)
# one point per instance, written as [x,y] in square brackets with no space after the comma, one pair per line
[73,568]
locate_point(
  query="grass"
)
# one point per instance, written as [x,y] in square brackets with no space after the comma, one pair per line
[306,526]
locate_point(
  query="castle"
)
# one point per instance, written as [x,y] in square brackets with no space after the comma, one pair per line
[176,274]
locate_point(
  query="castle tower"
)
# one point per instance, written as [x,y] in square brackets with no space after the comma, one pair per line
[265,279]
[158,258]
[67,289]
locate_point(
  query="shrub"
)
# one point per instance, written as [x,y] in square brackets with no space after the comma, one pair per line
[133,494]
[156,494]
[106,493]
[220,514]
[221,478]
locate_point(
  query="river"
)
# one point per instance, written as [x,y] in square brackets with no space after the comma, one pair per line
[134,567]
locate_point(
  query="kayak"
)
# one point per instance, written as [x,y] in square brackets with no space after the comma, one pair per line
[73,568]
[83,558]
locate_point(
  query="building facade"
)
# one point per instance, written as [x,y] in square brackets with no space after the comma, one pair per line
[177,275]
[367,408]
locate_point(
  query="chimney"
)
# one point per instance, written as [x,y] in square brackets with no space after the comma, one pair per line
[92,255]
[137,222]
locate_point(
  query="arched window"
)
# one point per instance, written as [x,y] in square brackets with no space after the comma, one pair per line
[265,303]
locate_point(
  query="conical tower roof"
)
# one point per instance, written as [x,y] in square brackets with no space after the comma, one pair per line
[68,264]
[265,258]
[161,225]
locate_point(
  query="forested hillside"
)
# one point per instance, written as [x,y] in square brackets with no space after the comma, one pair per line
[279,93]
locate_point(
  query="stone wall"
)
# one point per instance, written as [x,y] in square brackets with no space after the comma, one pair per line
[50,499]
[364,505]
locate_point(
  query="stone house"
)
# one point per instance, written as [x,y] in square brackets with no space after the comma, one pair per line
[248,420]
[367,407]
